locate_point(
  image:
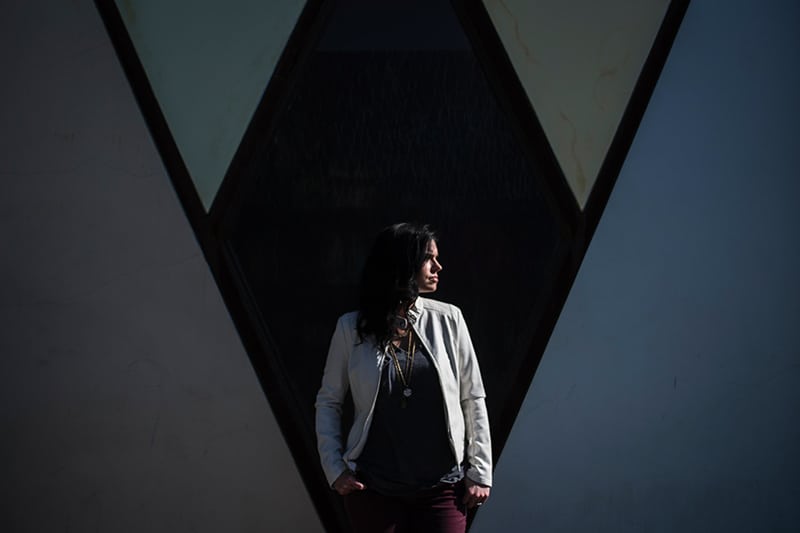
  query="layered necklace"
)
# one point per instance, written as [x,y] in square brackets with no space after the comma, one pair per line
[405,375]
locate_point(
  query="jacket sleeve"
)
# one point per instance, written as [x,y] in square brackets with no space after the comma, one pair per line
[473,405]
[335,384]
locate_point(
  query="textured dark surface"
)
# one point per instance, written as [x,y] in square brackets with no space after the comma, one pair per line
[372,138]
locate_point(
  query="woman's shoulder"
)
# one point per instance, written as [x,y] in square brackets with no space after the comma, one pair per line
[439,307]
[349,320]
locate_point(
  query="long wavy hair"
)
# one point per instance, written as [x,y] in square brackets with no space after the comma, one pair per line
[389,279]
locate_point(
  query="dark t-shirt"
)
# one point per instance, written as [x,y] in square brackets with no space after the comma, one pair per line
[407,448]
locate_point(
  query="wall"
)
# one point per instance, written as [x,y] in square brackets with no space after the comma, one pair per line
[191,51]
[126,400]
[667,398]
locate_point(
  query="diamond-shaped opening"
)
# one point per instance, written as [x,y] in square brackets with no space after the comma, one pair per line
[390,123]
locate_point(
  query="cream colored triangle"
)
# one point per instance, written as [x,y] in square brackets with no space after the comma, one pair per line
[208,64]
[578,61]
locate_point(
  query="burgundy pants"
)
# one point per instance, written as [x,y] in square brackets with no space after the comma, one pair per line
[437,510]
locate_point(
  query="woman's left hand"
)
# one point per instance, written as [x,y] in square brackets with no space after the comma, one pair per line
[476,494]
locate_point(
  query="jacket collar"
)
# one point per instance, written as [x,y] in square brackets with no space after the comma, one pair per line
[415,311]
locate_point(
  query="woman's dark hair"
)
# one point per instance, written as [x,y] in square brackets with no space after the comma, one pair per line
[389,279]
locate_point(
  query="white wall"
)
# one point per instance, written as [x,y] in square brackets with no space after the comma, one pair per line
[668,398]
[127,402]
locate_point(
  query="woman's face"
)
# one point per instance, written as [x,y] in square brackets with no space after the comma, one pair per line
[428,275]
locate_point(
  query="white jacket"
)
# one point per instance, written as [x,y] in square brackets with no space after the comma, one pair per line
[357,366]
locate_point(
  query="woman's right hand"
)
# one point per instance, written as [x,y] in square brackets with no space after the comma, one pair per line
[347,483]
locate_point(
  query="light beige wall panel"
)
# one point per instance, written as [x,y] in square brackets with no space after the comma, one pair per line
[578,61]
[208,62]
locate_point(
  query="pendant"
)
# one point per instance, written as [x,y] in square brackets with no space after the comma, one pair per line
[407,392]
[403,403]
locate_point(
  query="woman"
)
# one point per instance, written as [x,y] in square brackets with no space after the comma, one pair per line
[419,452]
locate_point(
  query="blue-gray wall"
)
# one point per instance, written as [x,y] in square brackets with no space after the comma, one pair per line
[667,399]
[669,394]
